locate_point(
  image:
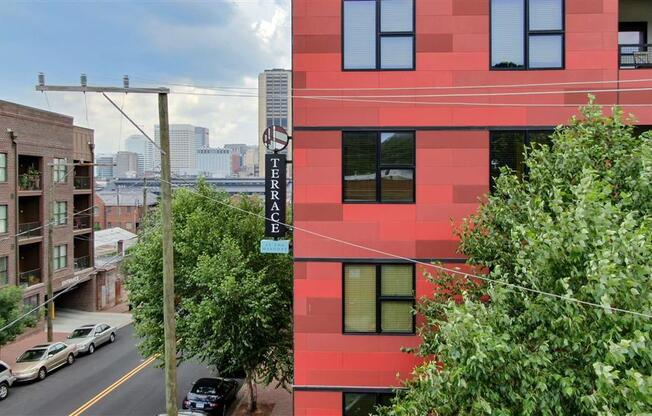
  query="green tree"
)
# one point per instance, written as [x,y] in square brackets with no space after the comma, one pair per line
[11,308]
[234,304]
[580,226]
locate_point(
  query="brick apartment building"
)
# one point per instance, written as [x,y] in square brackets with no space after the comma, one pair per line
[45,159]
[387,169]
[122,208]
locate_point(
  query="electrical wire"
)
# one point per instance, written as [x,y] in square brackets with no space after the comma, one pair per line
[430,265]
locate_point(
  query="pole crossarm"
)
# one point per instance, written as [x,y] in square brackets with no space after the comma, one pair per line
[69,88]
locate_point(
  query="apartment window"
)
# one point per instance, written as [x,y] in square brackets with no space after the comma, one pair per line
[378,167]
[527,34]
[378,34]
[4,271]
[365,404]
[3,167]
[3,219]
[507,148]
[30,303]
[59,257]
[60,213]
[59,170]
[379,298]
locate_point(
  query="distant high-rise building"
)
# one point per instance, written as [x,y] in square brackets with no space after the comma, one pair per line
[139,144]
[183,148]
[126,165]
[214,163]
[250,162]
[274,106]
[104,166]
[201,137]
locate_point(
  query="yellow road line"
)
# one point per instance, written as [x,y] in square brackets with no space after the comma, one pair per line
[114,386]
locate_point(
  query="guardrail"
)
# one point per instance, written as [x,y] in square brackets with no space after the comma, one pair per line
[82,182]
[82,263]
[29,182]
[635,55]
[29,278]
[29,230]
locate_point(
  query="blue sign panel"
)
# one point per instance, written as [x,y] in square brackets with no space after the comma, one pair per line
[275,246]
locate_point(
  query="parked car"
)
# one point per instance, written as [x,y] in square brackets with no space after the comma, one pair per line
[87,338]
[38,361]
[211,395]
[6,380]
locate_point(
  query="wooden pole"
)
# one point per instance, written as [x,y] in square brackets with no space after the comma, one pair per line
[169,321]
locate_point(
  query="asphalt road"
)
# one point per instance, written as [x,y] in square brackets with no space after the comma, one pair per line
[66,391]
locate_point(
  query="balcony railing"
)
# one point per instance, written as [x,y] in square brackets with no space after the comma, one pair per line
[82,263]
[82,221]
[636,55]
[82,182]
[29,230]
[29,182]
[29,278]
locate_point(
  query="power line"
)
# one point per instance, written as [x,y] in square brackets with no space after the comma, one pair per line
[441,268]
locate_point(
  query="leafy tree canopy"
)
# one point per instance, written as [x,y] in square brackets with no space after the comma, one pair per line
[580,226]
[11,308]
[234,304]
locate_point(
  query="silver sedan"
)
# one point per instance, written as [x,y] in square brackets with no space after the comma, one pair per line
[87,338]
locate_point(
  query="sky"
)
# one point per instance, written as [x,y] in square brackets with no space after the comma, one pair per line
[157,43]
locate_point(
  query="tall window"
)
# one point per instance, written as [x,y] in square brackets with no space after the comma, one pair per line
[527,34]
[365,404]
[59,257]
[60,213]
[379,298]
[378,166]
[507,148]
[3,219]
[378,34]
[59,170]
[3,167]
[4,271]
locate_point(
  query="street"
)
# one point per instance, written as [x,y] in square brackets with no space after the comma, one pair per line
[76,390]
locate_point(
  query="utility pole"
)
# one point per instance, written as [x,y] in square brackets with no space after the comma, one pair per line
[166,217]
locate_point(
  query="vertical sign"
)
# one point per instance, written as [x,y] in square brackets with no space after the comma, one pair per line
[275,194]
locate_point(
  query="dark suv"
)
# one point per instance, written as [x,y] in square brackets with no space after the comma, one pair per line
[211,395]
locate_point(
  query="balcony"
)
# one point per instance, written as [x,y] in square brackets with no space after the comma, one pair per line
[636,55]
[82,221]
[29,181]
[82,182]
[29,230]
[82,263]
[29,278]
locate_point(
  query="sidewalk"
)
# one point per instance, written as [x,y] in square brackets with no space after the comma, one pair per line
[66,320]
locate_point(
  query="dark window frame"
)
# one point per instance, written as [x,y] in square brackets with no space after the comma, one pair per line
[526,40]
[380,299]
[5,218]
[4,270]
[380,167]
[526,144]
[379,35]
[377,393]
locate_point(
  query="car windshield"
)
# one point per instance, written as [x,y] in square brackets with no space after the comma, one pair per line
[31,355]
[207,389]
[81,332]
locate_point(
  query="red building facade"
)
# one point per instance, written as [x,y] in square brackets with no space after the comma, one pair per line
[397,119]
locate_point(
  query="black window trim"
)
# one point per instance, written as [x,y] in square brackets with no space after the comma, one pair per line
[380,35]
[380,167]
[526,143]
[380,299]
[377,393]
[526,40]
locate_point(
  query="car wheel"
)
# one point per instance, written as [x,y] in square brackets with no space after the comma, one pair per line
[71,359]
[112,338]
[91,348]
[42,373]
[4,391]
